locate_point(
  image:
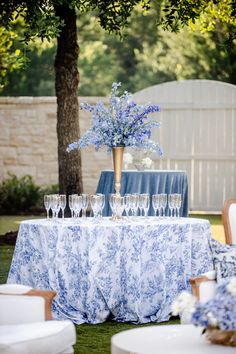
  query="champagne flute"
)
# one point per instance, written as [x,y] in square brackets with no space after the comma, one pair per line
[62,204]
[47,203]
[85,200]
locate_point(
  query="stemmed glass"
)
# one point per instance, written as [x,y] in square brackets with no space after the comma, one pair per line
[134,204]
[163,203]
[156,204]
[127,204]
[62,203]
[55,205]
[111,203]
[178,203]
[118,206]
[101,203]
[77,204]
[47,203]
[85,201]
[140,204]
[95,201]
[144,203]
[171,203]
[71,204]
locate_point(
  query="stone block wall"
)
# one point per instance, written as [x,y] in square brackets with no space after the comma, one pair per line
[28,141]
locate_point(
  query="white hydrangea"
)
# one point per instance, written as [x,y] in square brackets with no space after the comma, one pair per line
[127,158]
[147,162]
[212,320]
[184,302]
[231,287]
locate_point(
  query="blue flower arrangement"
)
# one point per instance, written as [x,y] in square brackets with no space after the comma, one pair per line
[219,312]
[122,123]
[217,316]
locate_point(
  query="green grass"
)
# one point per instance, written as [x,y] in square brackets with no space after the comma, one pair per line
[12,222]
[216,225]
[91,339]
[6,253]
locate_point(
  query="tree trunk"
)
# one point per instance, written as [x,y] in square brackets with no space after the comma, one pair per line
[67,80]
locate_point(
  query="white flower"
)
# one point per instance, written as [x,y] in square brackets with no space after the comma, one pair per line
[212,320]
[127,158]
[231,287]
[184,302]
[147,162]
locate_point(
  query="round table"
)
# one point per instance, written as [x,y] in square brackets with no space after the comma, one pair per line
[131,269]
[174,339]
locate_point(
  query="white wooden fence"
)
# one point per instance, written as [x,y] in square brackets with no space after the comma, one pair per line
[198,134]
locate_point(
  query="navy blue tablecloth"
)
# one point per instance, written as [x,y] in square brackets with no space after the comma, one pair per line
[150,181]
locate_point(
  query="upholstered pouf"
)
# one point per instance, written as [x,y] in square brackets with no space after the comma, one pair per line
[38,338]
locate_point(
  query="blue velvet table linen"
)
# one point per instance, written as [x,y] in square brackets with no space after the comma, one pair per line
[149,181]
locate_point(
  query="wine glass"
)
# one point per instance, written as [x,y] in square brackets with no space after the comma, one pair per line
[62,203]
[47,203]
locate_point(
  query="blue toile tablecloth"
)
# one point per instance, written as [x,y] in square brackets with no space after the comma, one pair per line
[149,181]
[131,270]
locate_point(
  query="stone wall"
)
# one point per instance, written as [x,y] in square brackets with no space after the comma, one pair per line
[197,134]
[28,141]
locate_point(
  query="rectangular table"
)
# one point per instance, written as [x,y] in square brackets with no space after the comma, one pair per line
[131,270]
[149,181]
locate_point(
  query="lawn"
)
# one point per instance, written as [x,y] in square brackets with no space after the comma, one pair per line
[12,222]
[91,339]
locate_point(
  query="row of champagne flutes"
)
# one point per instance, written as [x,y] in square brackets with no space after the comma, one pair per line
[77,203]
[130,205]
[139,204]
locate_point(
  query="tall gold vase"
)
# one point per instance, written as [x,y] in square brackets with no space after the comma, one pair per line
[117,153]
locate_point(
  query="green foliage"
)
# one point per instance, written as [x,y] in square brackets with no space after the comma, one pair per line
[10,59]
[18,194]
[146,55]
[22,195]
[138,61]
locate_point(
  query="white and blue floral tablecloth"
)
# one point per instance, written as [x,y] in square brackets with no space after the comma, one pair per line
[129,270]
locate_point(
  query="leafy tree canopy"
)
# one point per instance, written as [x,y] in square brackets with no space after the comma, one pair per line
[147,55]
[10,59]
[40,18]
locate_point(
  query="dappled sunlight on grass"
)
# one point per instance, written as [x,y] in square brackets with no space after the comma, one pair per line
[218,233]
[11,222]
[217,228]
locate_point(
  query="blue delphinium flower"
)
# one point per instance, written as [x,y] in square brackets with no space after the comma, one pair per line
[121,123]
